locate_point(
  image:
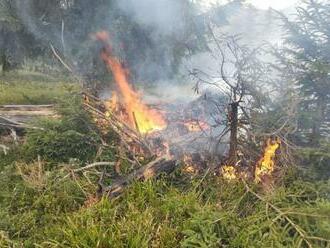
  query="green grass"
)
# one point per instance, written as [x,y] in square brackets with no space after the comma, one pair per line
[208,213]
[21,87]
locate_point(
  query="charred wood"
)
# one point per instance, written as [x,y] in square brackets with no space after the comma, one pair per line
[151,170]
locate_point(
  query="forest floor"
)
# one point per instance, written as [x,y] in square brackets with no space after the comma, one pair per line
[44,204]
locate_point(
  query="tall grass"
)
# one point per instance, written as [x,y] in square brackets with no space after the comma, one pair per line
[158,213]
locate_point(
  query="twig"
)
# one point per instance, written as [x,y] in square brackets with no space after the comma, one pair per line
[60,59]
[136,123]
[90,166]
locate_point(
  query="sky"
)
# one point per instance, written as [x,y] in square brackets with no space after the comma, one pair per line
[265,4]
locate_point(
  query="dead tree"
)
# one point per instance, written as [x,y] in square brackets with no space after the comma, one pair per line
[237,77]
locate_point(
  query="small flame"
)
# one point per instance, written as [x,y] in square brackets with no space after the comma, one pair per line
[139,115]
[189,167]
[229,172]
[266,164]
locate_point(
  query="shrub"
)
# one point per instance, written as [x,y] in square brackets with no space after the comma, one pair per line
[74,136]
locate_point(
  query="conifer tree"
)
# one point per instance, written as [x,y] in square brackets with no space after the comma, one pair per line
[307,57]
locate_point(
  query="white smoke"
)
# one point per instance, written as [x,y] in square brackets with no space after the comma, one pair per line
[165,16]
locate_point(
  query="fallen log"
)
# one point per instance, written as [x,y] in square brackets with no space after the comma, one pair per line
[153,169]
[14,125]
[26,107]
[20,114]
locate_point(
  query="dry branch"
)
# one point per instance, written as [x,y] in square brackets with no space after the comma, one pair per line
[90,166]
[129,136]
[60,59]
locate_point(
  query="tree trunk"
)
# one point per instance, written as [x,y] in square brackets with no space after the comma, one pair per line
[233,119]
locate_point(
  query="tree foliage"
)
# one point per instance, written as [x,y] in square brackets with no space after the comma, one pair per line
[306,61]
[68,25]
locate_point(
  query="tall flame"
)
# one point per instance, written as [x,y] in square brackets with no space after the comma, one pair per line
[140,116]
[266,164]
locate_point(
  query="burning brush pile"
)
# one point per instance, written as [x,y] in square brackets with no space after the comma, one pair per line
[159,127]
[168,132]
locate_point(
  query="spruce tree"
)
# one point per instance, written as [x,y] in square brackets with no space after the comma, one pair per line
[307,57]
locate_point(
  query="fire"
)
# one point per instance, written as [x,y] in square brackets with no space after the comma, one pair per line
[266,164]
[138,114]
[189,164]
[114,101]
[229,172]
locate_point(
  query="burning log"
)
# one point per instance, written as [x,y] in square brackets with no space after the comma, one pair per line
[153,169]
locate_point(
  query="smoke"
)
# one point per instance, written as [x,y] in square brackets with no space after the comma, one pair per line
[39,22]
[166,17]
[255,28]
[155,37]
[166,24]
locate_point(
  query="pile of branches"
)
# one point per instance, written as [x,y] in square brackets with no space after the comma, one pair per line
[132,141]
[106,119]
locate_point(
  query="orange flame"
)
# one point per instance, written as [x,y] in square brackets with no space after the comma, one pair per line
[140,116]
[266,164]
